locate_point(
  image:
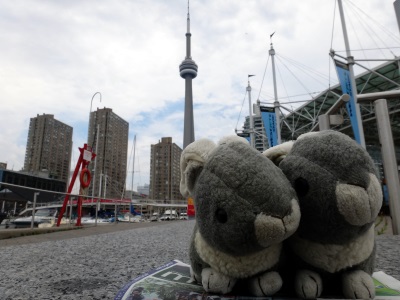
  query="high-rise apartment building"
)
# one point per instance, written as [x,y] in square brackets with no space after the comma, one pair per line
[144,190]
[165,173]
[49,147]
[108,138]
[260,138]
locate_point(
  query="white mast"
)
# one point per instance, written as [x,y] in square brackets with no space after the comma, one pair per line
[95,162]
[133,175]
[251,125]
[350,62]
[276,102]
[133,165]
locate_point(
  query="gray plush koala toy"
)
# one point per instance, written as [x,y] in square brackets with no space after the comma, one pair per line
[340,198]
[245,207]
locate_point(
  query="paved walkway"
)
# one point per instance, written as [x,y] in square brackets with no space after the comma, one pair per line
[96,262]
[88,263]
[63,234]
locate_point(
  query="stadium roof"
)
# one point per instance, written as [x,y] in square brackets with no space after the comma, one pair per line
[385,77]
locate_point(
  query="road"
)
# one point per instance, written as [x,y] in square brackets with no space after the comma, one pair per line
[96,263]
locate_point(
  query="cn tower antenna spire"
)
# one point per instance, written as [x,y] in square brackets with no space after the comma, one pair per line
[188,71]
[188,19]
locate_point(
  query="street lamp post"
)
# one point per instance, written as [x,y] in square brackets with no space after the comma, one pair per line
[91,102]
[33,209]
[95,159]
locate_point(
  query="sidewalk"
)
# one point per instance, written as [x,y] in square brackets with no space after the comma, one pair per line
[96,262]
[12,237]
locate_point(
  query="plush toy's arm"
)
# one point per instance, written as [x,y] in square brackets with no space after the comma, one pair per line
[358,280]
[196,263]
[265,284]
[355,281]
[211,280]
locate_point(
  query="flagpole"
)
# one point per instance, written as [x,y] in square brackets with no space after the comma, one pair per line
[350,62]
[251,125]
[133,174]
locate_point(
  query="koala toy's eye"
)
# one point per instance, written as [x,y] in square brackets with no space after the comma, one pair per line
[301,186]
[221,215]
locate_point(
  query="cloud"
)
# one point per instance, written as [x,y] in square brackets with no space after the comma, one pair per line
[56,55]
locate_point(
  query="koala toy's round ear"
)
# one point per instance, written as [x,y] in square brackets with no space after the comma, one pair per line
[277,153]
[192,161]
[232,139]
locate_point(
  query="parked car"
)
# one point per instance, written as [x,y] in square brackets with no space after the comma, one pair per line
[183,216]
[154,217]
[169,215]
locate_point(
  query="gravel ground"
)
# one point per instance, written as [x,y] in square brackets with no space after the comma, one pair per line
[97,266]
[388,255]
[91,267]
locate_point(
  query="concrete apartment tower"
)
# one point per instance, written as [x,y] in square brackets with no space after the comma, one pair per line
[108,138]
[260,138]
[188,71]
[164,171]
[49,148]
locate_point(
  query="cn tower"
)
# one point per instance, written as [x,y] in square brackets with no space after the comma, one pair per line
[188,71]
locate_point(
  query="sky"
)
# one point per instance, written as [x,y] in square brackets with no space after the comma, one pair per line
[56,55]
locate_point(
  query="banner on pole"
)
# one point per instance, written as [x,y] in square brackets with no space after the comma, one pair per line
[343,72]
[269,120]
[190,208]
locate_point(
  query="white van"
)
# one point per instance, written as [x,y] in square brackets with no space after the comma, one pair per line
[169,215]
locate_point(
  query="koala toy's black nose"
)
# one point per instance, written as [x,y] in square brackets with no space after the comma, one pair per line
[221,215]
[301,186]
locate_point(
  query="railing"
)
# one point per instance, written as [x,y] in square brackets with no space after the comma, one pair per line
[159,202]
[87,200]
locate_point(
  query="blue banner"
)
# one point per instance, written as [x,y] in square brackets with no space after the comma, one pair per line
[269,120]
[345,82]
[133,211]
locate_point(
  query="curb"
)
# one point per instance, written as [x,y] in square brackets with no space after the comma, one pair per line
[18,232]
